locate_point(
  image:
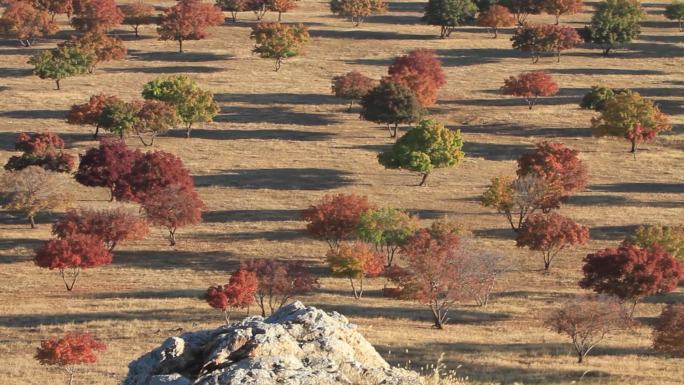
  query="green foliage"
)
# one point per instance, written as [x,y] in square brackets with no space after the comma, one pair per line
[675,11]
[279,41]
[357,10]
[670,238]
[118,117]
[425,147]
[449,14]
[615,22]
[391,103]
[61,63]
[387,229]
[193,104]
[597,97]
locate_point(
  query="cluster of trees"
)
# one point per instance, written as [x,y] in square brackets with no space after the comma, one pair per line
[547,38]
[259,7]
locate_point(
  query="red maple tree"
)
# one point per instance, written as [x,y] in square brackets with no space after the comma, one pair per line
[530,86]
[495,17]
[562,7]
[188,20]
[112,226]
[43,149]
[421,71]
[96,16]
[25,22]
[173,207]
[335,217]
[550,234]
[106,165]
[237,293]
[68,351]
[90,111]
[356,261]
[353,86]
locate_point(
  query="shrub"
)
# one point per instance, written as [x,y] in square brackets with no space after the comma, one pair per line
[516,199]
[335,217]
[352,86]
[631,116]
[188,20]
[521,9]
[26,23]
[355,261]
[530,86]
[43,150]
[562,7]
[675,11]
[449,14]
[173,207]
[68,351]
[545,38]
[234,7]
[357,10]
[61,63]
[614,22]
[559,166]
[447,225]
[630,272]
[96,16]
[152,118]
[90,112]
[107,165]
[279,41]
[137,14]
[387,229]
[495,17]
[112,226]
[279,282]
[237,293]
[33,190]
[391,103]
[587,321]
[670,238]
[668,332]
[420,71]
[550,234]
[423,148]
[72,254]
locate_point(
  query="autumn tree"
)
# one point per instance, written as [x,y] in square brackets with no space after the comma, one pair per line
[481,268]
[97,16]
[597,97]
[495,17]
[550,234]
[587,321]
[118,117]
[258,7]
[355,261]
[668,332]
[392,104]
[68,351]
[675,11]
[335,217]
[54,7]
[279,41]
[447,225]
[106,165]
[357,10]
[516,199]
[387,229]
[153,117]
[112,226]
[90,112]
[61,63]
[630,273]
[615,22]
[137,14]
[282,6]
[44,150]
[72,254]
[423,148]
[420,71]
[173,207]
[545,38]
[193,104]
[238,293]
[26,23]
[234,7]
[559,8]
[521,9]
[100,47]
[352,86]
[670,238]
[279,282]
[530,86]
[631,116]
[449,14]
[33,190]
[559,166]
[188,20]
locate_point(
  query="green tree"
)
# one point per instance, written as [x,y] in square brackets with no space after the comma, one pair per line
[597,97]
[449,14]
[193,104]
[118,117]
[279,41]
[387,229]
[670,238]
[60,63]
[614,22]
[675,11]
[425,147]
[391,103]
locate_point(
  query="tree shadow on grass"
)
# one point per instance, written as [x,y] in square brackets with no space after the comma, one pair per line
[494,151]
[176,259]
[611,233]
[166,70]
[35,114]
[281,235]
[314,179]
[358,34]
[428,213]
[16,72]
[149,294]
[527,131]
[185,57]
[258,134]
[266,215]
[504,233]
[603,71]
[619,200]
[278,98]
[166,315]
[640,187]
[272,115]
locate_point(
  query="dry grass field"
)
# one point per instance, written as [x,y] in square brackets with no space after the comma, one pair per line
[281,141]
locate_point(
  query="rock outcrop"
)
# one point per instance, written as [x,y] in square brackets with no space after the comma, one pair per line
[297,345]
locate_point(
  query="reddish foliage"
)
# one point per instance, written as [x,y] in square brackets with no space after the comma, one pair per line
[421,71]
[97,16]
[335,218]
[112,226]
[497,16]
[89,112]
[562,7]
[545,38]
[282,6]
[70,349]
[43,150]
[630,272]
[188,20]
[279,282]
[238,293]
[352,85]
[559,166]
[22,20]
[668,332]
[54,7]
[173,206]
[76,252]
[102,47]
[355,261]
[551,233]
[106,165]
[154,117]
[39,143]
[530,86]
[137,14]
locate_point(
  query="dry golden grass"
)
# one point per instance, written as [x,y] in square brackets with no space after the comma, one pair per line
[281,142]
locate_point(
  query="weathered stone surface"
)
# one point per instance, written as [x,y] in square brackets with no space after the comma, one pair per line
[297,345]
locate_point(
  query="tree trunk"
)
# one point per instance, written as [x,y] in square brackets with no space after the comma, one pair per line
[111,194]
[350,106]
[135,28]
[423,182]
[226,315]
[57,82]
[279,16]
[172,237]
[71,375]
[97,131]
[234,16]
[278,63]
[496,33]
[394,132]
[180,45]
[557,18]
[634,147]
[32,221]
[356,294]
[187,130]
[580,357]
